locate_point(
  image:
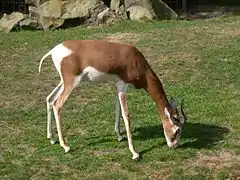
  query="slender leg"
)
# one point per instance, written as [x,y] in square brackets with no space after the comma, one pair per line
[117,118]
[123,102]
[52,95]
[56,109]
[57,105]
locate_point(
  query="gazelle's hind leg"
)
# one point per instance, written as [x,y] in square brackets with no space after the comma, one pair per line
[122,88]
[117,119]
[49,99]
[69,85]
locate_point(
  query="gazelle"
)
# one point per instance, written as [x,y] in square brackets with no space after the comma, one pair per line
[101,61]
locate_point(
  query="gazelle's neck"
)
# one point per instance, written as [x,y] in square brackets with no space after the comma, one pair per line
[155,90]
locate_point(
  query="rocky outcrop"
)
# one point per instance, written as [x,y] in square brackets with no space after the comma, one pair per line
[51,14]
[7,22]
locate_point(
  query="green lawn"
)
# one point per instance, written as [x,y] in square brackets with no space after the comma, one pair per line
[196,60]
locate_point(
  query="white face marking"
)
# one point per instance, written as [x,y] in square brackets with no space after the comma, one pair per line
[58,53]
[94,75]
[168,115]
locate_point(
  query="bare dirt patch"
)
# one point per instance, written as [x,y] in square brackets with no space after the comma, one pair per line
[123,37]
[222,159]
[10,129]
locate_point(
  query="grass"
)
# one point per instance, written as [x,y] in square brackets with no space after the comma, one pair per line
[196,60]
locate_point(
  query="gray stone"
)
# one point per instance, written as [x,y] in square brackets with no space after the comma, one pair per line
[163,11]
[80,8]
[115,4]
[102,14]
[50,9]
[32,21]
[7,22]
[50,14]
[149,10]
[137,12]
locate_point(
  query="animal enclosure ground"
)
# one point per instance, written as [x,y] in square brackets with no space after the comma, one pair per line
[196,60]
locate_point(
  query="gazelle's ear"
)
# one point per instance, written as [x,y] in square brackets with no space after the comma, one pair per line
[167,113]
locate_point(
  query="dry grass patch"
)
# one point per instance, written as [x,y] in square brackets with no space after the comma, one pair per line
[8,129]
[162,173]
[123,37]
[218,161]
[221,161]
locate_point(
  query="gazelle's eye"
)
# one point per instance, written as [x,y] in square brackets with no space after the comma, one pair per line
[175,120]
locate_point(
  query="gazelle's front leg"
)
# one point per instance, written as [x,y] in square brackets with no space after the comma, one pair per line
[122,88]
[117,119]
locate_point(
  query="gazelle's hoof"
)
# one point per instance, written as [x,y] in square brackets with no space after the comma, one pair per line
[120,138]
[66,149]
[53,141]
[136,157]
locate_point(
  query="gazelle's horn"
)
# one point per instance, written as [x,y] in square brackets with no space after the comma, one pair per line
[183,113]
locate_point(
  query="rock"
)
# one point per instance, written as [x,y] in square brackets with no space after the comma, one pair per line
[80,8]
[7,22]
[51,9]
[93,19]
[140,9]
[102,14]
[32,21]
[33,11]
[115,4]
[149,10]
[138,13]
[163,11]
[121,12]
[50,23]
[50,14]
[107,16]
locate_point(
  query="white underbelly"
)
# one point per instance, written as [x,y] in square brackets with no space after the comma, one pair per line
[90,74]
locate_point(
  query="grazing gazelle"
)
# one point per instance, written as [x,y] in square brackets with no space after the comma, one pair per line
[98,60]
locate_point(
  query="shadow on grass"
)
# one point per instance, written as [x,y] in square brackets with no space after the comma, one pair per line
[201,135]
[195,135]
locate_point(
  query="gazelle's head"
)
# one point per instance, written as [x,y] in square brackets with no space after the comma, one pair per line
[173,123]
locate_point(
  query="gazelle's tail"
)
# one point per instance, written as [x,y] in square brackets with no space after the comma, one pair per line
[44,57]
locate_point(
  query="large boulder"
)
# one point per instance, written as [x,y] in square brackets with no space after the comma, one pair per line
[50,14]
[141,11]
[8,21]
[149,10]
[163,11]
[80,8]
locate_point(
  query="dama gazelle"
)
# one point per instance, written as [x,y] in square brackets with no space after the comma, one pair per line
[98,60]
